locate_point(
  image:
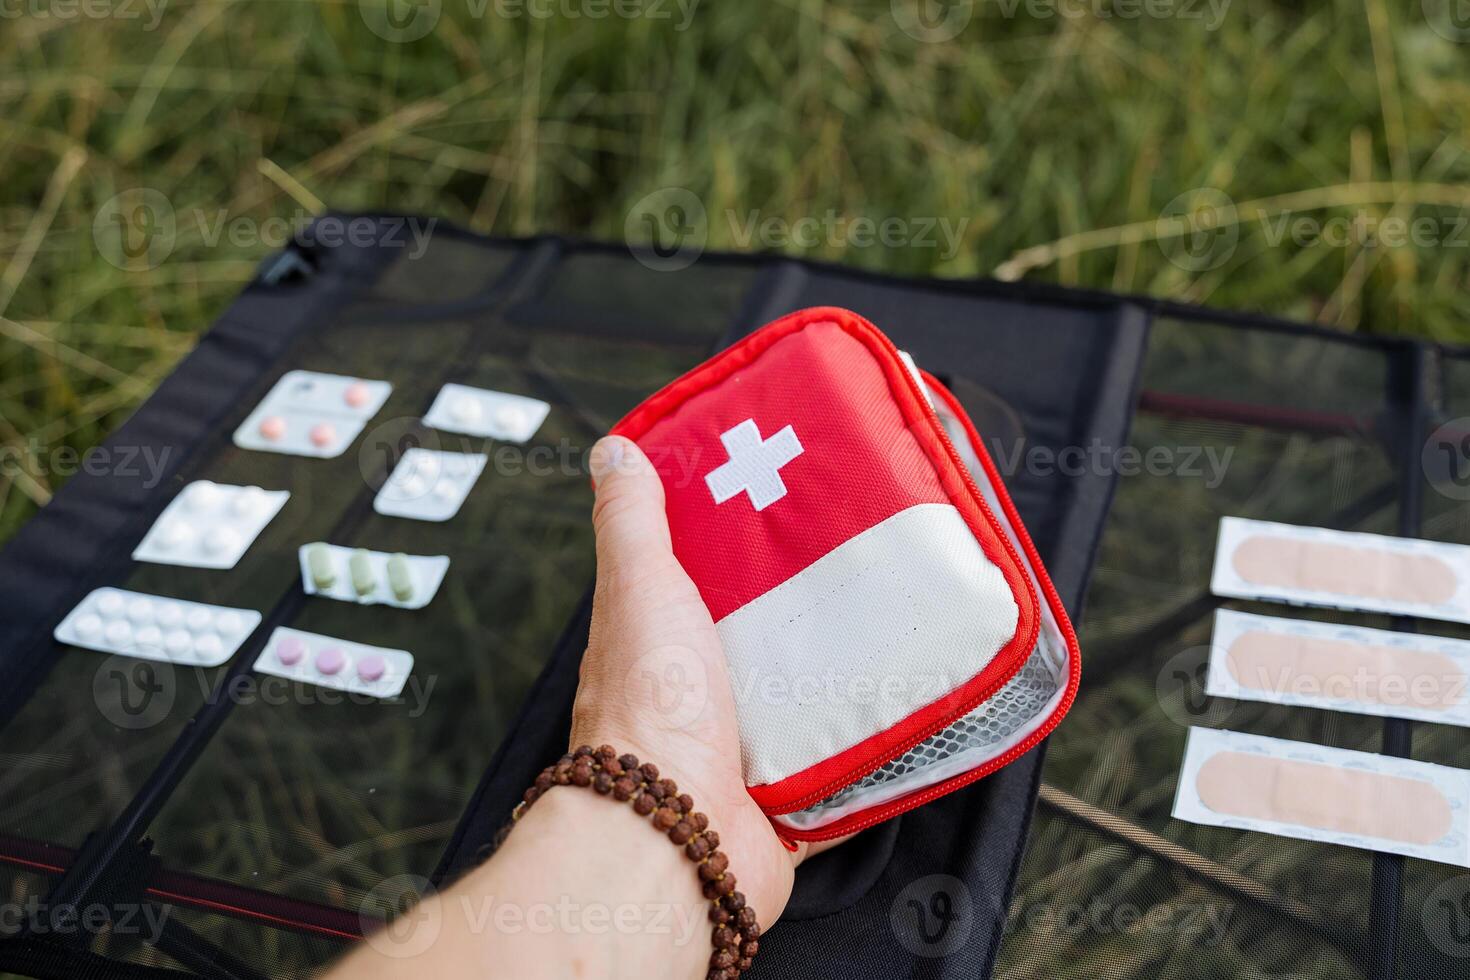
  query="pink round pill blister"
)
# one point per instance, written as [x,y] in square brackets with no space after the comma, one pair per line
[290,650]
[272,427]
[323,434]
[371,668]
[356,394]
[330,660]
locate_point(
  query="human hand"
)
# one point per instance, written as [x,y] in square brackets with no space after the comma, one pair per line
[654,680]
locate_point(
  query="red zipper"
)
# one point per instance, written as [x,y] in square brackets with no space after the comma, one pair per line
[890,810]
[1000,535]
[1069,634]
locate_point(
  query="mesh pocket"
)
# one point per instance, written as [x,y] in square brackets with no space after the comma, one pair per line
[1013,708]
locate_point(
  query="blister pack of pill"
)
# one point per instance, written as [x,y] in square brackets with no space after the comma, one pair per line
[308,413]
[209,525]
[148,627]
[371,577]
[342,665]
[485,413]
[429,484]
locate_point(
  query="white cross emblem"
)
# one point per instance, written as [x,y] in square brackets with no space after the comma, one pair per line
[754,465]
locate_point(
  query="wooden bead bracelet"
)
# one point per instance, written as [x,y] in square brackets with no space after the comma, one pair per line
[736,933]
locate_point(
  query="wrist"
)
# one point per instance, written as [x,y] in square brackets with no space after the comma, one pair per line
[624,778]
[626,901]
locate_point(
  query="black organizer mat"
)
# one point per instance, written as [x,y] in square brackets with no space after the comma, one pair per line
[290,815]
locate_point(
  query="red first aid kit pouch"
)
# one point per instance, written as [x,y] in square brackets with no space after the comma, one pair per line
[890,632]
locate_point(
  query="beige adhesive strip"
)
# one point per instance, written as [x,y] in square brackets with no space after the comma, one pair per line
[1381,675]
[1264,559]
[1345,801]
[1342,569]
[1336,796]
[1313,664]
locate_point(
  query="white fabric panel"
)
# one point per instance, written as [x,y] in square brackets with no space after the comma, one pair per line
[888,622]
[993,728]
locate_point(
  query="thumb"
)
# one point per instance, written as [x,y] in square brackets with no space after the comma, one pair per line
[628,515]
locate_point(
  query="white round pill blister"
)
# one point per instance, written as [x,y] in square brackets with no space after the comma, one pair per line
[177,642]
[202,496]
[169,614]
[109,603]
[465,409]
[140,610]
[175,534]
[150,637]
[208,645]
[249,502]
[198,619]
[119,633]
[414,487]
[445,491]
[221,541]
[510,417]
[89,627]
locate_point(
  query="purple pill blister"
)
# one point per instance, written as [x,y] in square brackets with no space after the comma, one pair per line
[330,660]
[290,650]
[371,667]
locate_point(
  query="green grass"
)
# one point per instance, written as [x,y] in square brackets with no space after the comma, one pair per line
[1050,144]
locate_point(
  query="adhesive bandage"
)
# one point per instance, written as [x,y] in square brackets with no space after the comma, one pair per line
[209,525]
[492,414]
[1340,668]
[151,627]
[1313,566]
[1334,796]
